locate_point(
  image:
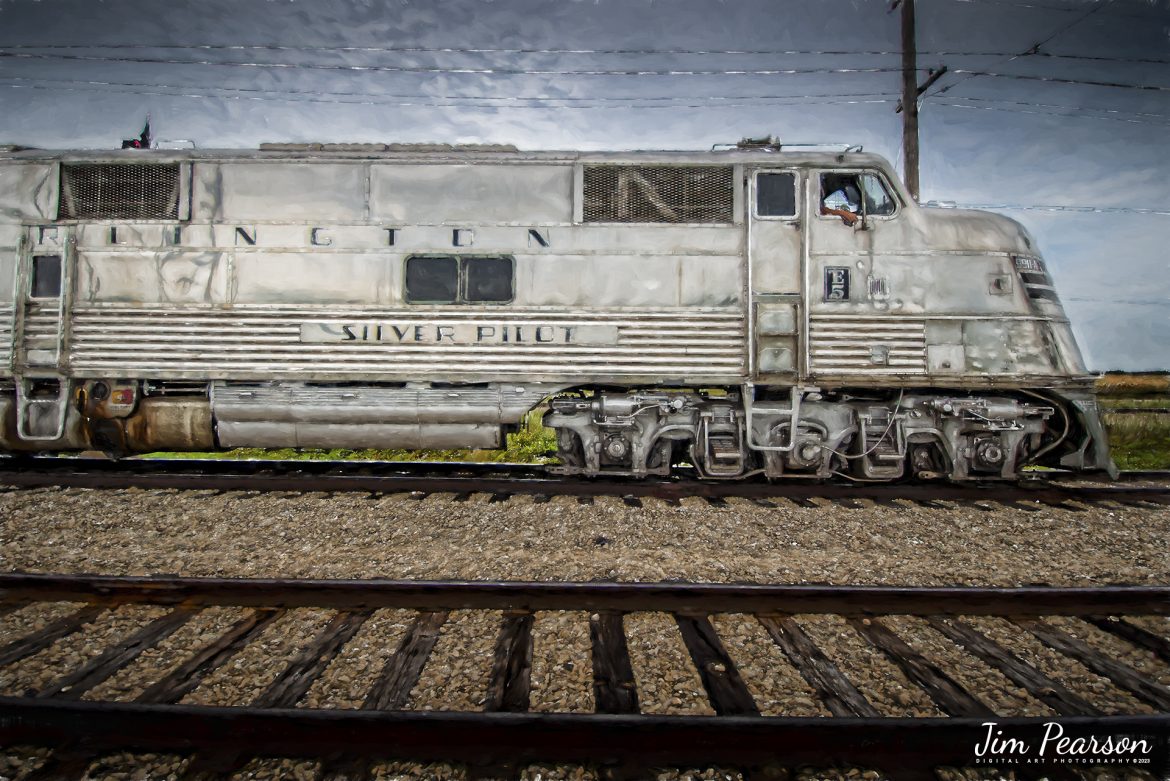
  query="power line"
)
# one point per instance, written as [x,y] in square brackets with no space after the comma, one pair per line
[1128,301]
[1046,113]
[1047,7]
[548,101]
[1093,58]
[1033,48]
[1058,80]
[1066,106]
[1062,208]
[275,97]
[433,49]
[432,69]
[615,72]
[508,98]
[20,47]
[1022,5]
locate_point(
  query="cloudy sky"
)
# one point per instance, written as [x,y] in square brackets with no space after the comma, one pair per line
[1055,112]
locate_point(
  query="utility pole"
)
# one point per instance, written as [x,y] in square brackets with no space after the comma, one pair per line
[909,98]
[910,94]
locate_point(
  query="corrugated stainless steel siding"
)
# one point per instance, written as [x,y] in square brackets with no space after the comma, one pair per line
[258,341]
[844,345]
[7,315]
[41,333]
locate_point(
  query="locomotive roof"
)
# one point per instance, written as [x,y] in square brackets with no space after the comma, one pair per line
[435,153]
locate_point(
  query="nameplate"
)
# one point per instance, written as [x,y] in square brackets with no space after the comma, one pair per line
[463,333]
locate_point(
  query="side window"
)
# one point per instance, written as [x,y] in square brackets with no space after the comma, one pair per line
[776,195]
[46,277]
[878,200]
[839,192]
[489,280]
[432,279]
[850,193]
[446,279]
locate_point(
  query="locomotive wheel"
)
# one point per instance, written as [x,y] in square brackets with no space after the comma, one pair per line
[569,449]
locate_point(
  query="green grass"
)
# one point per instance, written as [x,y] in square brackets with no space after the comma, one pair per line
[1140,441]
[1137,440]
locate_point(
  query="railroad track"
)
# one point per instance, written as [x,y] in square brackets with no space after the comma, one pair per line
[505,731]
[505,480]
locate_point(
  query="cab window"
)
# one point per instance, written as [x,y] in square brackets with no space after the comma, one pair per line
[878,200]
[855,193]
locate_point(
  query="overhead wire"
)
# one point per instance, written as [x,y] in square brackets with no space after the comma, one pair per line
[1148,114]
[1127,301]
[452,70]
[1062,208]
[20,47]
[422,101]
[1060,80]
[1013,109]
[506,98]
[1047,7]
[1033,48]
[24,51]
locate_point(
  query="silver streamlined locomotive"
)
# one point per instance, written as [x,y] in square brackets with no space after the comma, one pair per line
[748,310]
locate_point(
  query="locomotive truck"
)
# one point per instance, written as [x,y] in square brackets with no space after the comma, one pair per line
[751,310]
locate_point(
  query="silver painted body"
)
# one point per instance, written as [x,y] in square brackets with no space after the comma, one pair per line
[282,276]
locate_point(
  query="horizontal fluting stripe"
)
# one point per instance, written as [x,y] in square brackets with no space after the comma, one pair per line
[853,347]
[864,359]
[845,321]
[869,333]
[867,364]
[891,325]
[172,369]
[86,329]
[318,312]
[885,371]
[463,363]
[870,336]
[392,349]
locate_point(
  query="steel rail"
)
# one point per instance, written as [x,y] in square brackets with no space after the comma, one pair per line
[509,479]
[509,740]
[545,595]
[504,736]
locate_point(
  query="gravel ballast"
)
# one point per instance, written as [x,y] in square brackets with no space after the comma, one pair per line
[251,534]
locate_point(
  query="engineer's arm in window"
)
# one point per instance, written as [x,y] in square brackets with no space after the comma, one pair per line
[839,203]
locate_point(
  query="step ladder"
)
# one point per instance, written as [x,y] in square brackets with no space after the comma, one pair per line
[41,413]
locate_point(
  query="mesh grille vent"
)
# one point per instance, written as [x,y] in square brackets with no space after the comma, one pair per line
[638,193]
[137,191]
